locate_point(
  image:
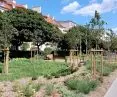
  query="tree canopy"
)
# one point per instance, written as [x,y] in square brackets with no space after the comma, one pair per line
[7,31]
[31,26]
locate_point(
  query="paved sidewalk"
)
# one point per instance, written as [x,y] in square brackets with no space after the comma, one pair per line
[112,92]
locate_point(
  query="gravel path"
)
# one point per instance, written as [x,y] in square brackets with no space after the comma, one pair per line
[112,92]
[6,89]
[103,88]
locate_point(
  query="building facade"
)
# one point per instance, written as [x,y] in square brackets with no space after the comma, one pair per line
[37,9]
[9,5]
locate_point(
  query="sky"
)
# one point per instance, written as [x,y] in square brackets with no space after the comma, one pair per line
[79,11]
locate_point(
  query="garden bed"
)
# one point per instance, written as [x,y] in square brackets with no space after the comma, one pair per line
[54,78]
[21,68]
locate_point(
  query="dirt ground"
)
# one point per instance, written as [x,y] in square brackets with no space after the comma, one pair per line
[103,88]
[7,89]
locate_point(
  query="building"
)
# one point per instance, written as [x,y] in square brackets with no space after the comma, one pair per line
[9,5]
[37,9]
[64,26]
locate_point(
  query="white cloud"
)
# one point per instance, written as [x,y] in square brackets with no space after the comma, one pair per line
[103,7]
[88,10]
[71,8]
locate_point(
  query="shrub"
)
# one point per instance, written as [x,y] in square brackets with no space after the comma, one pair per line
[28,91]
[36,87]
[62,72]
[67,93]
[49,89]
[83,86]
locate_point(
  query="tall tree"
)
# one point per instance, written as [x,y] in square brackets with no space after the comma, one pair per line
[32,27]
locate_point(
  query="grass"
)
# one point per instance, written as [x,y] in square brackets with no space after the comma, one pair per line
[82,86]
[21,68]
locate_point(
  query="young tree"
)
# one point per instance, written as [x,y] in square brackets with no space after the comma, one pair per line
[74,38]
[7,31]
[97,28]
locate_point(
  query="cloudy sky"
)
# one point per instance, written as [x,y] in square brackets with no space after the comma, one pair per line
[79,11]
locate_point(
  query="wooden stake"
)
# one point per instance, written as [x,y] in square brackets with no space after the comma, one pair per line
[70,57]
[102,66]
[31,55]
[6,61]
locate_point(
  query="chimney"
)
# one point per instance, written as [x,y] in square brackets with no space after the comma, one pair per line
[53,18]
[26,6]
[48,15]
[37,9]
[14,3]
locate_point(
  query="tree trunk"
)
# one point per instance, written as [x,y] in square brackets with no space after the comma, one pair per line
[6,61]
[16,47]
[86,47]
[80,47]
[38,48]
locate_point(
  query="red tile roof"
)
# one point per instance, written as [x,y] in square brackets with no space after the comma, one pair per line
[8,4]
[52,21]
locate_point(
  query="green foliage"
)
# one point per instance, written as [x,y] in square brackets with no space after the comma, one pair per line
[7,31]
[36,87]
[107,69]
[97,30]
[24,46]
[68,93]
[21,67]
[82,86]
[28,91]
[29,25]
[85,37]
[73,38]
[48,51]
[49,89]
[113,43]
[62,72]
